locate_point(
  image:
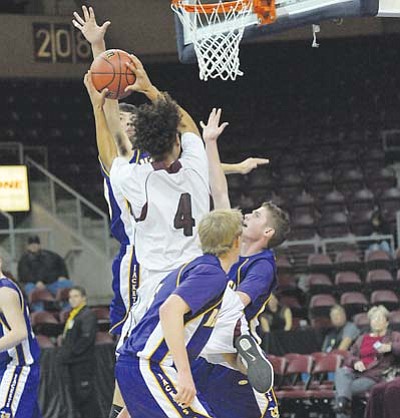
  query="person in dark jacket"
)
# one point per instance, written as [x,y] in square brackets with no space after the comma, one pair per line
[77,354]
[39,268]
[372,355]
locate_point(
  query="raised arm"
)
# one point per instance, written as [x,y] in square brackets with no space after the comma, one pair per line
[218,183]
[94,34]
[144,85]
[105,141]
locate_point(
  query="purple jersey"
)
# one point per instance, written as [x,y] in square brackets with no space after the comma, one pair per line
[255,276]
[201,284]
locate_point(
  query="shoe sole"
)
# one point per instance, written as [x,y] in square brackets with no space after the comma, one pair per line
[259,370]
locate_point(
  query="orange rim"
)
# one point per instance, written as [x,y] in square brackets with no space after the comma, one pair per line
[210,8]
[265,9]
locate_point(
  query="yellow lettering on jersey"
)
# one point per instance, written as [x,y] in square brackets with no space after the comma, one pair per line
[232,284]
[274,412]
[5,415]
[212,319]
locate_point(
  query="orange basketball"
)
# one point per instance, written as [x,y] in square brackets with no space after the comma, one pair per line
[109,71]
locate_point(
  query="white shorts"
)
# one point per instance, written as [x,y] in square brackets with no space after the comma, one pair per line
[222,337]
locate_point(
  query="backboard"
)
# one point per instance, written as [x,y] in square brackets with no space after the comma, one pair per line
[289,13]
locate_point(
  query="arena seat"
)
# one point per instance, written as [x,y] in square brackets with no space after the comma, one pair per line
[361,200]
[319,263]
[319,283]
[361,321]
[385,297]
[378,260]
[333,225]
[348,261]
[379,279]
[320,305]
[354,302]
[104,338]
[347,281]
[45,323]
[303,227]
[333,202]
[44,341]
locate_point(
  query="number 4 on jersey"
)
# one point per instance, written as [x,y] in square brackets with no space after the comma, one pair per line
[183,217]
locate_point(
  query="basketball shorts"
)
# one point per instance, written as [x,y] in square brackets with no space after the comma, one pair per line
[229,394]
[126,280]
[148,389]
[19,390]
[231,322]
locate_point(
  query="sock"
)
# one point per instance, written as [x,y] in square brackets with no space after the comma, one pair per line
[115,410]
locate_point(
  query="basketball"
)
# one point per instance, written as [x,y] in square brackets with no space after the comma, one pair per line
[109,71]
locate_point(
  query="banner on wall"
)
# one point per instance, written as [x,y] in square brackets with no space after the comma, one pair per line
[14,188]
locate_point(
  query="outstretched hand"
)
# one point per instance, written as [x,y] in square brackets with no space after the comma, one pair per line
[248,165]
[93,33]
[213,129]
[97,98]
[142,83]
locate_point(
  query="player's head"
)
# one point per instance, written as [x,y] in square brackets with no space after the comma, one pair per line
[338,316]
[269,225]
[220,231]
[77,296]
[127,114]
[156,128]
[378,319]
[33,244]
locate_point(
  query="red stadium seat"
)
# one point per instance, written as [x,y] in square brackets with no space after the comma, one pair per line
[279,364]
[394,320]
[348,261]
[283,264]
[361,321]
[62,295]
[333,202]
[354,302]
[319,283]
[40,295]
[385,297]
[333,225]
[320,305]
[347,281]
[379,279]
[303,227]
[378,260]
[44,341]
[361,200]
[351,181]
[103,318]
[64,315]
[45,323]
[319,263]
[303,204]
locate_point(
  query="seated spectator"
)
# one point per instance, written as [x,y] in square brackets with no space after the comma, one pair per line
[343,334]
[384,400]
[38,268]
[371,356]
[275,317]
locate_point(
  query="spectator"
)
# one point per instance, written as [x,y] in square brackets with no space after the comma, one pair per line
[371,356]
[343,333]
[39,268]
[77,355]
[384,401]
[275,317]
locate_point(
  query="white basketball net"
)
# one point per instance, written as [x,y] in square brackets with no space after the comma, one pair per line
[216,37]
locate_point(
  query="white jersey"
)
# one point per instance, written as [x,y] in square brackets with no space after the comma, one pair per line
[167,204]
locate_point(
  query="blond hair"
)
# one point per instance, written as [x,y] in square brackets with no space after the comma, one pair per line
[219,229]
[378,310]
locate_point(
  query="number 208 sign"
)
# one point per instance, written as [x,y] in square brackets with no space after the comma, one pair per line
[59,43]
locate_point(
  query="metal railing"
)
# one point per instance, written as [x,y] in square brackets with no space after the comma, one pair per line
[298,251]
[69,206]
[21,151]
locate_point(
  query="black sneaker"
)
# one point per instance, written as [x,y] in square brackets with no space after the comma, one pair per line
[259,370]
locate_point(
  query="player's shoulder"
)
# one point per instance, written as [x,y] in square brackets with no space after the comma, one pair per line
[207,265]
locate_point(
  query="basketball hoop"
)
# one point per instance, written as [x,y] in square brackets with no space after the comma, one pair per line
[217,29]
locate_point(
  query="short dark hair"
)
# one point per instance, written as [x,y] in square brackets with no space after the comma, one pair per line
[280,221]
[80,289]
[128,108]
[156,127]
[33,239]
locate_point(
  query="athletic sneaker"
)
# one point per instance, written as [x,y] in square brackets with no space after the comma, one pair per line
[259,370]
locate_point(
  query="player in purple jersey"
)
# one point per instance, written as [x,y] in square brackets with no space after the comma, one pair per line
[254,278]
[19,355]
[154,367]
